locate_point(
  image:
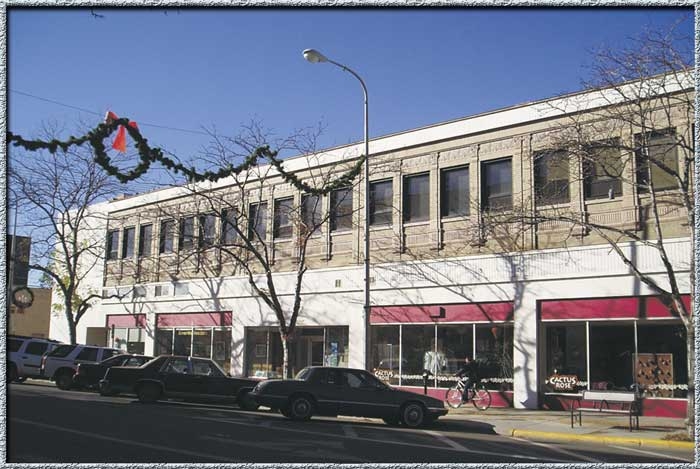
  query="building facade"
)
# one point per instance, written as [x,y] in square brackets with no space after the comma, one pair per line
[461,262]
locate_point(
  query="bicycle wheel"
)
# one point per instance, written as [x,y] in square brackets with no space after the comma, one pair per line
[453,397]
[481,398]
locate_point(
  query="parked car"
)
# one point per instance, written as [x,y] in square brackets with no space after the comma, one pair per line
[88,375]
[174,376]
[24,356]
[60,364]
[344,391]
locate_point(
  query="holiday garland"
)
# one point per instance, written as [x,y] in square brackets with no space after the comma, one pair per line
[95,138]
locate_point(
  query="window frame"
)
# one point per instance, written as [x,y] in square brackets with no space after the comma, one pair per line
[128,242]
[145,248]
[339,219]
[643,156]
[257,222]
[167,233]
[486,196]
[112,245]
[314,223]
[590,167]
[552,192]
[186,234]
[204,238]
[282,231]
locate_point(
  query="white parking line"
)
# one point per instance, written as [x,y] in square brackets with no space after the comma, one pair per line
[651,453]
[205,456]
[445,440]
[560,450]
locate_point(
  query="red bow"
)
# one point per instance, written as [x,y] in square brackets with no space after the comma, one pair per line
[119,142]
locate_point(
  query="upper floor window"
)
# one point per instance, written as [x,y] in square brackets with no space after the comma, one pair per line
[257,221]
[229,220]
[341,209]
[311,212]
[602,170]
[207,230]
[497,185]
[416,197]
[551,177]
[283,227]
[112,244]
[128,242]
[186,233]
[145,240]
[660,154]
[167,236]
[454,192]
[381,196]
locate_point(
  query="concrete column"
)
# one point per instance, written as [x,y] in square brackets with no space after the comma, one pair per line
[525,360]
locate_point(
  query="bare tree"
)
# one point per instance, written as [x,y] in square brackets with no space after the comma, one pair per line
[630,133]
[55,193]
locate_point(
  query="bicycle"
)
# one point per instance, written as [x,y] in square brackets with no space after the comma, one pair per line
[476,392]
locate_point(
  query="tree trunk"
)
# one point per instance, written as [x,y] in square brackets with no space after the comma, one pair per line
[690,409]
[285,356]
[71,323]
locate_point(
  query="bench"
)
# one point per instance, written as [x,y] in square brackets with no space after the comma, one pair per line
[626,402]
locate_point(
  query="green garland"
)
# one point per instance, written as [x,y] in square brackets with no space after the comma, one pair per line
[95,138]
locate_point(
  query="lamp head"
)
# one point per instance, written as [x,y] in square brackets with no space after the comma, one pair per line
[314,56]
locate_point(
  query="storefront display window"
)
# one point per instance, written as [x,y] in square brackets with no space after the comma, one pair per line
[201,343]
[182,345]
[566,358]
[455,342]
[612,354]
[385,353]
[164,342]
[128,339]
[494,356]
[420,352]
[309,346]
[661,368]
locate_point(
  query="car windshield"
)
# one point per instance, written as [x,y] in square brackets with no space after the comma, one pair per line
[303,374]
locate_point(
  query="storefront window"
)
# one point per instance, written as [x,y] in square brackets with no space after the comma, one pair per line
[336,347]
[201,343]
[385,353]
[566,358]
[612,354]
[164,341]
[421,353]
[660,366]
[183,342]
[222,348]
[120,338]
[455,342]
[135,343]
[494,356]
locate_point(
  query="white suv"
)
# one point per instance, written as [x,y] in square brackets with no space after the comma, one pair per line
[24,356]
[60,364]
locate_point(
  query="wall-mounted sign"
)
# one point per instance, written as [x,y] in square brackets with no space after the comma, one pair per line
[563,382]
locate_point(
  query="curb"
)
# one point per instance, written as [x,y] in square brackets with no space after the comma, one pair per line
[535,435]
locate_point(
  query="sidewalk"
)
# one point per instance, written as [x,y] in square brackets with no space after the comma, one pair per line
[548,425]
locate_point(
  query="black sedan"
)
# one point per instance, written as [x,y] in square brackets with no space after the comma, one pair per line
[343,391]
[88,375]
[174,376]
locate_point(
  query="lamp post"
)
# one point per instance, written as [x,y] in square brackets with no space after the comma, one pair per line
[315,56]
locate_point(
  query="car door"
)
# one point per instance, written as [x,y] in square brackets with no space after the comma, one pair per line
[327,389]
[177,379]
[210,383]
[31,357]
[365,396]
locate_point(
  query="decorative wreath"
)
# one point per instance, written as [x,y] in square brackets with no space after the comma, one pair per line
[22,297]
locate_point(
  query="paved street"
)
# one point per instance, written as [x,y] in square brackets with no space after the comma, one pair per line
[48,425]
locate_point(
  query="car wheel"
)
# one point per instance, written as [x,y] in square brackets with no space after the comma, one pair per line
[393,421]
[300,408]
[64,380]
[12,373]
[149,393]
[246,402]
[413,415]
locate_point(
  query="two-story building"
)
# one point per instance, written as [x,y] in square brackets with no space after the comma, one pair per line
[471,255]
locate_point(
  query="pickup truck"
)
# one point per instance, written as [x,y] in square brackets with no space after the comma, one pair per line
[174,376]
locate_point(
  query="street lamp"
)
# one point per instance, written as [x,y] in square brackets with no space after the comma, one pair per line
[315,56]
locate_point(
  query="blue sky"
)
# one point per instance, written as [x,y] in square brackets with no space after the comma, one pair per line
[221,68]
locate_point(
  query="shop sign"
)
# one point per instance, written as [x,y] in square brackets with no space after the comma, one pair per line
[563,382]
